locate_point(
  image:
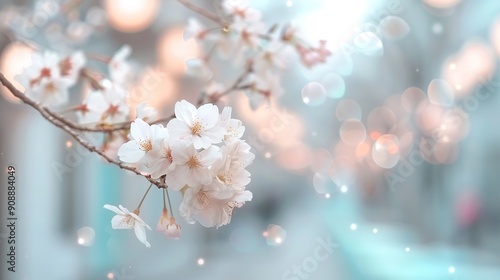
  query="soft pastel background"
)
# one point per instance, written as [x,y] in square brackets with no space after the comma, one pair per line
[316,178]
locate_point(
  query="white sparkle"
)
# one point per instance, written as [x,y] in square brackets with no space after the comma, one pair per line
[437,28]
[289,3]
[375,230]
[407,249]
[327,195]
[267,155]
[81,241]
[343,189]
[278,240]
[201,261]
[451,269]
[354,227]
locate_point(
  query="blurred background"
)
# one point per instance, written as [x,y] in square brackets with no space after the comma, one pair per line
[382,163]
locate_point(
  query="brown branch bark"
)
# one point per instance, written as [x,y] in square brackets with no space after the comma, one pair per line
[202,11]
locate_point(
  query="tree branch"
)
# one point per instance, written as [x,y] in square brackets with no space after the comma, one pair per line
[62,123]
[201,11]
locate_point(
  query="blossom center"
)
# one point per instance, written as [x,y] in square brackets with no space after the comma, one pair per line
[225,178]
[127,222]
[146,145]
[168,154]
[193,162]
[203,199]
[50,87]
[196,128]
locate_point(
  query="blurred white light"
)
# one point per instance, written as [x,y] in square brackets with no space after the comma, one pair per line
[333,20]
[407,249]
[451,269]
[327,195]
[289,3]
[375,230]
[201,261]
[343,189]
[437,28]
[86,236]
[453,66]
[354,227]
[267,155]
[275,235]
[111,275]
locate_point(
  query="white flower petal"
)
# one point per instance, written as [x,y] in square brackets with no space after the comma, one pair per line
[140,232]
[209,115]
[114,209]
[122,222]
[139,129]
[130,152]
[185,112]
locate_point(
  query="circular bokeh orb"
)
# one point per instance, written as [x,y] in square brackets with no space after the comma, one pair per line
[131,16]
[385,151]
[313,94]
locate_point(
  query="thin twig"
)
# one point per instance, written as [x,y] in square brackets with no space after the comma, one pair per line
[49,115]
[202,11]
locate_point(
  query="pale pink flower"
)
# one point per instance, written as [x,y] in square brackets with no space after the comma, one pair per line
[191,167]
[262,87]
[163,221]
[173,230]
[121,70]
[104,107]
[234,128]
[198,126]
[210,206]
[159,159]
[142,137]
[146,113]
[129,220]
[42,80]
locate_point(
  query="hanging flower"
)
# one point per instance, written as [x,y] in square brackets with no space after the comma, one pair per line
[163,221]
[129,220]
[173,230]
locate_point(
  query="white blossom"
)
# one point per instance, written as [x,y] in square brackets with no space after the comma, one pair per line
[191,167]
[106,106]
[146,113]
[233,127]
[198,126]
[129,220]
[42,80]
[142,137]
[173,230]
[210,206]
[121,70]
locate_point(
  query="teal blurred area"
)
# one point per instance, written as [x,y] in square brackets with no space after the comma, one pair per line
[426,217]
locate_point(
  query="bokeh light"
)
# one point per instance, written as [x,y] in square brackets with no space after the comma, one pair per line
[131,15]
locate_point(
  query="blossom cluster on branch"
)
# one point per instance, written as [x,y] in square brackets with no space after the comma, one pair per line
[199,151]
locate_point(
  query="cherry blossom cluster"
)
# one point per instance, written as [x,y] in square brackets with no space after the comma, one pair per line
[199,153]
[249,43]
[49,77]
